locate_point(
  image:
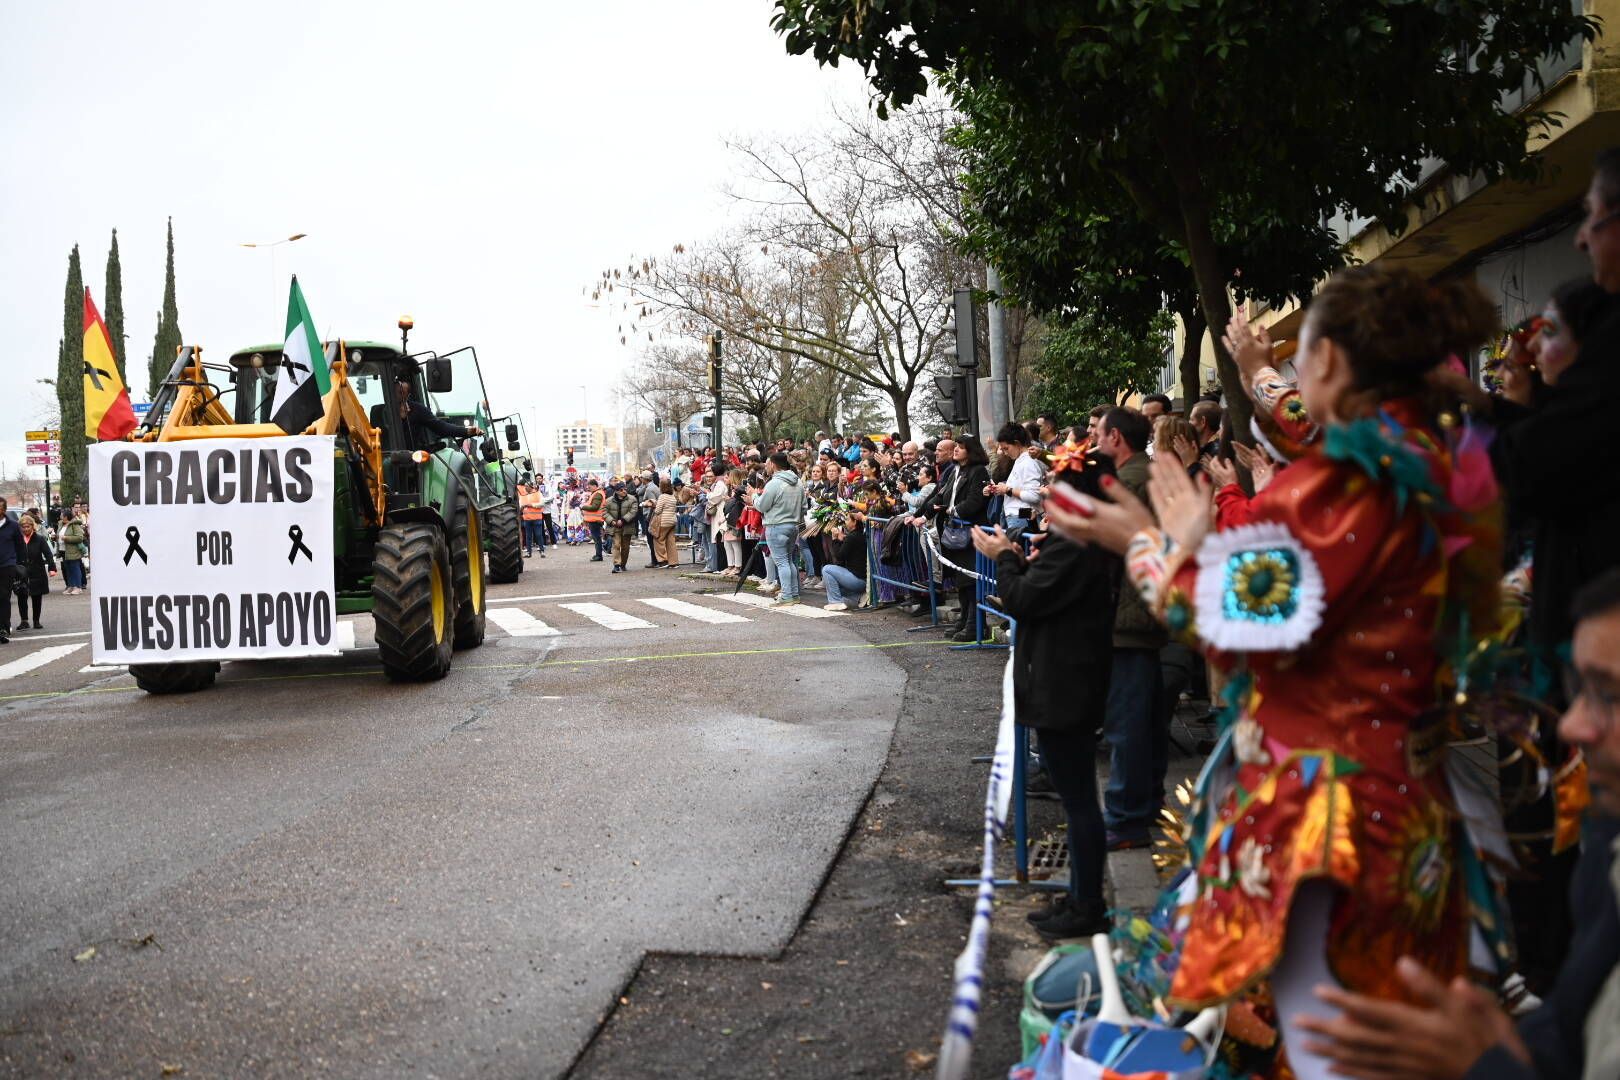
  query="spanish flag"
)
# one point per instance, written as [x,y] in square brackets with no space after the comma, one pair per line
[107,413]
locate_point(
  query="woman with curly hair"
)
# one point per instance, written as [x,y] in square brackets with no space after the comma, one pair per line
[1326,837]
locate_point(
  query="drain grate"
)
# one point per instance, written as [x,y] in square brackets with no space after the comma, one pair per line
[1049,857]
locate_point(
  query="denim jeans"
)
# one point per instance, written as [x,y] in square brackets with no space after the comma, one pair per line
[1138,743]
[73,573]
[783,541]
[534,535]
[596,536]
[843,586]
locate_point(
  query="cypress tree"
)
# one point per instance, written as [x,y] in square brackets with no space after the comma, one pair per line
[168,331]
[113,313]
[70,379]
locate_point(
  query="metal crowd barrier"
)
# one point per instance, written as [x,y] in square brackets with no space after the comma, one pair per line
[913,572]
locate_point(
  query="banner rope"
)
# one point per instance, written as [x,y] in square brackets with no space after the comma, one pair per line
[956,1047]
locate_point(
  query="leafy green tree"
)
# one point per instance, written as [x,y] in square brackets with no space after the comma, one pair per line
[70,379]
[113,298]
[1242,112]
[1091,360]
[168,327]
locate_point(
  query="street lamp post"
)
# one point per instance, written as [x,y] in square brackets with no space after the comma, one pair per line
[275,278]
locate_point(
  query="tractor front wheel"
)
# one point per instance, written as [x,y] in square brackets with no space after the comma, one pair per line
[467,566]
[413,602]
[175,678]
[505,533]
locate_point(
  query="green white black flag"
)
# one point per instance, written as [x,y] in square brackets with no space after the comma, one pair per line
[303,379]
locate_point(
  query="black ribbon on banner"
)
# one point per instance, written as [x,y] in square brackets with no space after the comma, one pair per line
[296,535]
[133,535]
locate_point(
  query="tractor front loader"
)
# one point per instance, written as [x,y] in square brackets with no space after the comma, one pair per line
[407,520]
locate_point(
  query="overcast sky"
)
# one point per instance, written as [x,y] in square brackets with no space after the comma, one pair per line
[472,164]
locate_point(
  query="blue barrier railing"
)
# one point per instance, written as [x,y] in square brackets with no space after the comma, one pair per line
[910,572]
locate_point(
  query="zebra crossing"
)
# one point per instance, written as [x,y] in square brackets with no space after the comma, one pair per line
[506,617]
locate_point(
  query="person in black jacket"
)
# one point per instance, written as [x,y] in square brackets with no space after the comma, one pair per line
[11,557]
[845,571]
[33,581]
[961,498]
[1063,601]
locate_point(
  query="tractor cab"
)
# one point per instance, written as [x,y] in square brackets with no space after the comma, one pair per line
[374,370]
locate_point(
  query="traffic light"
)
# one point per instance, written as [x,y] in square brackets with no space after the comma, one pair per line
[960,331]
[952,401]
[570,455]
[658,425]
[713,341]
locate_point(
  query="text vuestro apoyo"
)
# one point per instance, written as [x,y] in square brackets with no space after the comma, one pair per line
[213,549]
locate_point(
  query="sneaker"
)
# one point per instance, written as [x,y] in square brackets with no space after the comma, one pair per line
[23,625]
[770,589]
[786,601]
[596,558]
[966,634]
[834,607]
[1074,921]
[1118,841]
[812,583]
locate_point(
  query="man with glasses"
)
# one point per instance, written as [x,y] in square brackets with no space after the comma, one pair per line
[1458,1030]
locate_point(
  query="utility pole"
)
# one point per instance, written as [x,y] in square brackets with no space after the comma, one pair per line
[1000,401]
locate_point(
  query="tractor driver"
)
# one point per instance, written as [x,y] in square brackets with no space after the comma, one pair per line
[422,426]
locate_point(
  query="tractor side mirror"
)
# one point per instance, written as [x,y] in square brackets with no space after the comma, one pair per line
[439,380]
[512,434]
[491,451]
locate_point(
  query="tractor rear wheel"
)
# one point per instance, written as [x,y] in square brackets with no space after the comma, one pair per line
[413,602]
[467,567]
[175,678]
[505,534]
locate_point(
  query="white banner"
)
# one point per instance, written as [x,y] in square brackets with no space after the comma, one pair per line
[212,549]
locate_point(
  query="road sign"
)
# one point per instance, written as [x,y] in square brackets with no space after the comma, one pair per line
[44,459]
[142,407]
[43,435]
[44,448]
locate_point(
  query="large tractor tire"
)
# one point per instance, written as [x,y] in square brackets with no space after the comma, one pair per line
[175,678]
[504,531]
[467,567]
[413,602]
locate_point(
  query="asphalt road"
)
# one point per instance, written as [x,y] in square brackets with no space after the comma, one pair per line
[309,870]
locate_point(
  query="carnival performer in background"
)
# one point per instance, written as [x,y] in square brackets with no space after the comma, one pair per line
[1326,838]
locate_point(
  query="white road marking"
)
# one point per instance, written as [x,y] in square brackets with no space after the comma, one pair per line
[693,611]
[102,669]
[602,615]
[754,600]
[553,596]
[23,665]
[51,637]
[519,623]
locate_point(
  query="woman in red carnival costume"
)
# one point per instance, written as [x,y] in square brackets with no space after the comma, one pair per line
[1326,837]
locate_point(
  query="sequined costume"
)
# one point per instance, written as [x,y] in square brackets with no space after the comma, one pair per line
[1324,612]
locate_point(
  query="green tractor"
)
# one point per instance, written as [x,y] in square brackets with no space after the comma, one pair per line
[409,518]
[503,523]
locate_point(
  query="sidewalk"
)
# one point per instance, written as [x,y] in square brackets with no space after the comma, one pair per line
[863,988]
